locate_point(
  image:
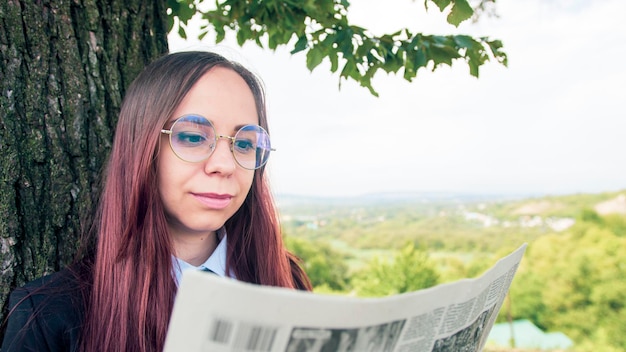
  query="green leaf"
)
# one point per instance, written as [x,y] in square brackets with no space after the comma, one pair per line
[301,44]
[442,4]
[181,31]
[350,70]
[271,41]
[441,55]
[170,23]
[473,66]
[420,59]
[309,6]
[203,34]
[286,37]
[220,34]
[174,6]
[241,38]
[439,39]
[329,41]
[183,9]
[314,57]
[465,41]
[371,89]
[365,49]
[460,12]
[392,63]
[346,48]
[415,59]
[495,46]
[334,62]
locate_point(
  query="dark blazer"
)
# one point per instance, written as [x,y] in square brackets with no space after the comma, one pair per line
[45,314]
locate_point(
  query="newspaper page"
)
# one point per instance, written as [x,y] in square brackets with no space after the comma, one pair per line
[219,314]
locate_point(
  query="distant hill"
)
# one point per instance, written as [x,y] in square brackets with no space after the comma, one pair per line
[442,221]
[567,205]
[394,198]
[615,205]
[510,205]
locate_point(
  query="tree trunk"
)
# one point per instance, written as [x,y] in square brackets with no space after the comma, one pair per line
[64,68]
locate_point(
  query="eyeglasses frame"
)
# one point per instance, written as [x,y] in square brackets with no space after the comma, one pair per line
[217,138]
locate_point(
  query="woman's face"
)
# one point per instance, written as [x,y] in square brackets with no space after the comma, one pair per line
[199,197]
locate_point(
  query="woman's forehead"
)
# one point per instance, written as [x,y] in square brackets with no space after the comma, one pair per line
[222,96]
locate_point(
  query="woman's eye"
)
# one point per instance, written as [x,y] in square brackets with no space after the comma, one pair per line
[243,145]
[190,139]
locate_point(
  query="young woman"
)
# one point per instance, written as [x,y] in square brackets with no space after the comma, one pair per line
[184,188]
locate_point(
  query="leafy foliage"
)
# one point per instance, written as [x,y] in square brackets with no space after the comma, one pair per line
[324,265]
[576,282]
[409,270]
[322,30]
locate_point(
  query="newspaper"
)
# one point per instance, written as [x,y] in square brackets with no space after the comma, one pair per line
[219,314]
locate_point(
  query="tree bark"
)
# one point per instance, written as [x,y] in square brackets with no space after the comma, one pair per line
[64,68]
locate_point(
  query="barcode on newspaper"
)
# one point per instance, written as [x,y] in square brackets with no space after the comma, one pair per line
[246,337]
[221,331]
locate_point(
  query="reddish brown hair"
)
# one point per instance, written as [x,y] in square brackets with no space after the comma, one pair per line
[133,290]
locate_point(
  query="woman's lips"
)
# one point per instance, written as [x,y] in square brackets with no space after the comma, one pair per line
[213,200]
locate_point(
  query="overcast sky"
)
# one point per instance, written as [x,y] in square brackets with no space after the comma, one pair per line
[553,122]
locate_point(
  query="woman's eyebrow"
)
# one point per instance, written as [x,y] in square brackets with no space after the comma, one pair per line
[240,126]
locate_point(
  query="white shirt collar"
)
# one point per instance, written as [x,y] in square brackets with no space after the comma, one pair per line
[215,263]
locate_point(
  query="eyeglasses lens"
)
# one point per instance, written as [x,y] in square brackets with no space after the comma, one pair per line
[193,139]
[251,147]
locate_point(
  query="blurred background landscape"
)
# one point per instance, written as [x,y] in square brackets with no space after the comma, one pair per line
[572,280]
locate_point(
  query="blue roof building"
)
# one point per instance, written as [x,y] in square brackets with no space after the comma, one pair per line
[527,335]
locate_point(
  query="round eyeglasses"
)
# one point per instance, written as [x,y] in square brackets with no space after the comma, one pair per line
[193,139]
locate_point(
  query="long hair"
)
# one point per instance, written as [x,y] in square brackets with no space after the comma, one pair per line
[132,293]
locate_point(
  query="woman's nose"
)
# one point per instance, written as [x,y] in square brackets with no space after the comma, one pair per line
[222,159]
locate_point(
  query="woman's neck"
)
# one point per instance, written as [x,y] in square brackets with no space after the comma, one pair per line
[194,249]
